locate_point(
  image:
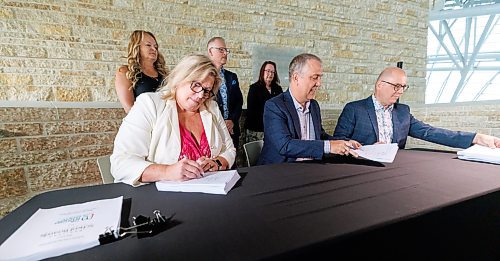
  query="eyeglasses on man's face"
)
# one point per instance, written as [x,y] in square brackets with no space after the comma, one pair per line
[398,87]
[221,49]
[196,87]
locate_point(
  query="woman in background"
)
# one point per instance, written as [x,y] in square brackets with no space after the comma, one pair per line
[145,69]
[177,133]
[264,89]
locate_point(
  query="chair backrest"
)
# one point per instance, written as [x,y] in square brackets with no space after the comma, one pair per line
[105,169]
[252,151]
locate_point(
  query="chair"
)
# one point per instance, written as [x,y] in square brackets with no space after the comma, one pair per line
[105,169]
[252,151]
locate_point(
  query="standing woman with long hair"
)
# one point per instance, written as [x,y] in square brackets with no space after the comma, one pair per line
[264,89]
[145,69]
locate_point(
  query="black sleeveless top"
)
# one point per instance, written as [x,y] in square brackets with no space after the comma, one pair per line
[146,84]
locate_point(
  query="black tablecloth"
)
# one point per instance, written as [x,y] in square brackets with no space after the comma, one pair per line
[342,208]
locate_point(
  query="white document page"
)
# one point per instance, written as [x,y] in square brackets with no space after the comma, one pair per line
[217,182]
[57,231]
[379,152]
[480,153]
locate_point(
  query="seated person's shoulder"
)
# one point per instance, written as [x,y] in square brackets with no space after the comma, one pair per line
[276,101]
[151,99]
[358,102]
[212,105]
[357,105]
[401,107]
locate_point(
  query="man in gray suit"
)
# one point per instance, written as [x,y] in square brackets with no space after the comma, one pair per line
[379,118]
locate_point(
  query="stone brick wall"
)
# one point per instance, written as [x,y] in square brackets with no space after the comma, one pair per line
[60,50]
[481,117]
[47,148]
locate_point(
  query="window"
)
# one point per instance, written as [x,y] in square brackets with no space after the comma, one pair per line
[463,52]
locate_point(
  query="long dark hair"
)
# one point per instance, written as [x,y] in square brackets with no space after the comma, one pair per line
[276,79]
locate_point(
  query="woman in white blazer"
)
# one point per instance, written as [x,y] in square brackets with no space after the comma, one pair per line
[177,133]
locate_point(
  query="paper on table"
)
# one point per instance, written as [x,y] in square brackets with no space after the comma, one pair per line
[480,153]
[57,231]
[379,152]
[217,182]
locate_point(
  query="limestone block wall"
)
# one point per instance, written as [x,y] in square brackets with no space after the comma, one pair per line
[47,148]
[60,50]
[481,117]
[58,107]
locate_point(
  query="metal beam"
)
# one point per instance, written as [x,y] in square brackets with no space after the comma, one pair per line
[440,92]
[465,70]
[440,39]
[480,56]
[453,42]
[468,23]
[479,68]
[466,12]
[485,86]
[437,5]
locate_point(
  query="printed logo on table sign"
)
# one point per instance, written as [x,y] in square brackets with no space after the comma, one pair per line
[77,218]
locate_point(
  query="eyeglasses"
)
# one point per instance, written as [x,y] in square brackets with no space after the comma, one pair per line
[221,49]
[269,71]
[398,87]
[196,87]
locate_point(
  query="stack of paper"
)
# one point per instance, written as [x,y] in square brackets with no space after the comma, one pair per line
[379,152]
[57,231]
[480,153]
[218,182]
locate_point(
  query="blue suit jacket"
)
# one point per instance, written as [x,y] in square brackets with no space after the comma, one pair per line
[234,102]
[282,134]
[358,121]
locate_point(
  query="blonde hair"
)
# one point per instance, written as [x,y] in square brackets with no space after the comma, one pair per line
[193,67]
[134,58]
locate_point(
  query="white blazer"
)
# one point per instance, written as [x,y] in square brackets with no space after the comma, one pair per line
[150,134]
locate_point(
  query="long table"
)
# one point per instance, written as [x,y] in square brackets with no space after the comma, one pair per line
[424,205]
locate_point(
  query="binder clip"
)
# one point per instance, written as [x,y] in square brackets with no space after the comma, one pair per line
[146,227]
[108,236]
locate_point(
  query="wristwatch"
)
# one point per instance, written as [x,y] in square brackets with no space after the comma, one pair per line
[219,164]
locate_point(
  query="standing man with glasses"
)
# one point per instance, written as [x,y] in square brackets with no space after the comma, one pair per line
[379,119]
[229,97]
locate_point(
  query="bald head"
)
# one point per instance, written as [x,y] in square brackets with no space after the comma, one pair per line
[387,87]
[390,73]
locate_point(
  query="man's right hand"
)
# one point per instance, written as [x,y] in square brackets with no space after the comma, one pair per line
[342,147]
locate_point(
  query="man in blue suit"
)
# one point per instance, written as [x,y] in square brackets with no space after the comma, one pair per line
[229,96]
[379,118]
[292,120]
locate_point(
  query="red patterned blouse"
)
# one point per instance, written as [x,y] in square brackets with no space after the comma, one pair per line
[190,147]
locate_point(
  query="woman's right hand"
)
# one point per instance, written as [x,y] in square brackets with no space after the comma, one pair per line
[184,169]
